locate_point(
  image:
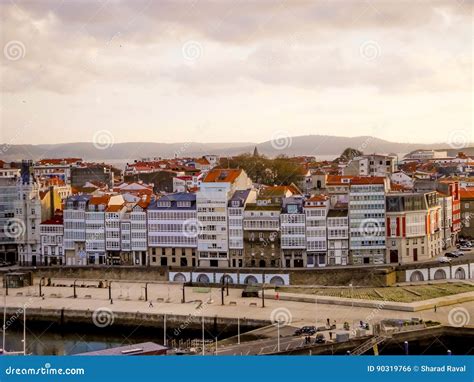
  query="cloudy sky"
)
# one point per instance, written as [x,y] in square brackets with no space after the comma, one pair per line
[235,70]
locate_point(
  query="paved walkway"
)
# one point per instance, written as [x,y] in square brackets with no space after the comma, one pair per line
[129,297]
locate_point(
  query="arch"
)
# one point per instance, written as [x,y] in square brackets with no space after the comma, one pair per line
[460,274]
[203,278]
[262,263]
[417,276]
[440,274]
[227,279]
[250,280]
[179,277]
[277,280]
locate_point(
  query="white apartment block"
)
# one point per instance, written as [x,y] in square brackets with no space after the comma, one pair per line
[367,219]
[52,236]
[27,209]
[371,165]
[212,199]
[338,237]
[316,210]
[293,232]
[173,229]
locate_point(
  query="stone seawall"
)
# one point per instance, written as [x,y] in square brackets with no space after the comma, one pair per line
[106,318]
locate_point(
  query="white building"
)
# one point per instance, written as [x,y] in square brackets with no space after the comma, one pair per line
[52,235]
[27,207]
[316,210]
[173,230]
[293,232]
[371,165]
[74,218]
[367,219]
[338,236]
[236,209]
[212,199]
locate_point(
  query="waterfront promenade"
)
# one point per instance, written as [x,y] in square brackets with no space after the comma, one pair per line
[166,298]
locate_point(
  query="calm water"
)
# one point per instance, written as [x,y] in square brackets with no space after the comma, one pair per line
[53,340]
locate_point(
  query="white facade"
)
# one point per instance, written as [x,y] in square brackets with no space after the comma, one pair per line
[52,251]
[367,223]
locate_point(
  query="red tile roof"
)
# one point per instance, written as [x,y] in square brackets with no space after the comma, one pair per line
[222,175]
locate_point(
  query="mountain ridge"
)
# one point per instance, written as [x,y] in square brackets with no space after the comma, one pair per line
[322,145]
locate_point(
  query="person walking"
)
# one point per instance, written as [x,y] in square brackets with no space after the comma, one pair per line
[150,305]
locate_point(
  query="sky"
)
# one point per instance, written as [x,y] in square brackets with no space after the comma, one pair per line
[235,70]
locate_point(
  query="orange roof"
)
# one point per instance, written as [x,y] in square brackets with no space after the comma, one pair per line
[337,179]
[114,208]
[368,180]
[96,200]
[143,203]
[317,198]
[57,161]
[222,175]
[203,161]
[467,193]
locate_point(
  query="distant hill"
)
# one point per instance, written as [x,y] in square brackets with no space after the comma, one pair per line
[316,145]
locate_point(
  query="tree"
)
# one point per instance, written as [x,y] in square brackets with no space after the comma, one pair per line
[349,154]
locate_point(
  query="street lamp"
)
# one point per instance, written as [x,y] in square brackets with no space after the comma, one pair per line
[40,287]
[146,291]
[74,288]
[110,290]
[183,300]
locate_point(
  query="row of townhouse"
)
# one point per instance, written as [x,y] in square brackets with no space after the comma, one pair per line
[227,223]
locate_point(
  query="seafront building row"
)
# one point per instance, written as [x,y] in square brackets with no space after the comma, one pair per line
[220,218]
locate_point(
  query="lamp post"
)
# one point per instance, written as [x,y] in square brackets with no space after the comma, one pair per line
[110,290]
[263,295]
[146,291]
[74,288]
[40,287]
[183,300]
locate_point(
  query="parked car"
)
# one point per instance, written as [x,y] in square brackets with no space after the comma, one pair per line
[459,253]
[451,254]
[465,249]
[443,259]
[305,330]
[320,339]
